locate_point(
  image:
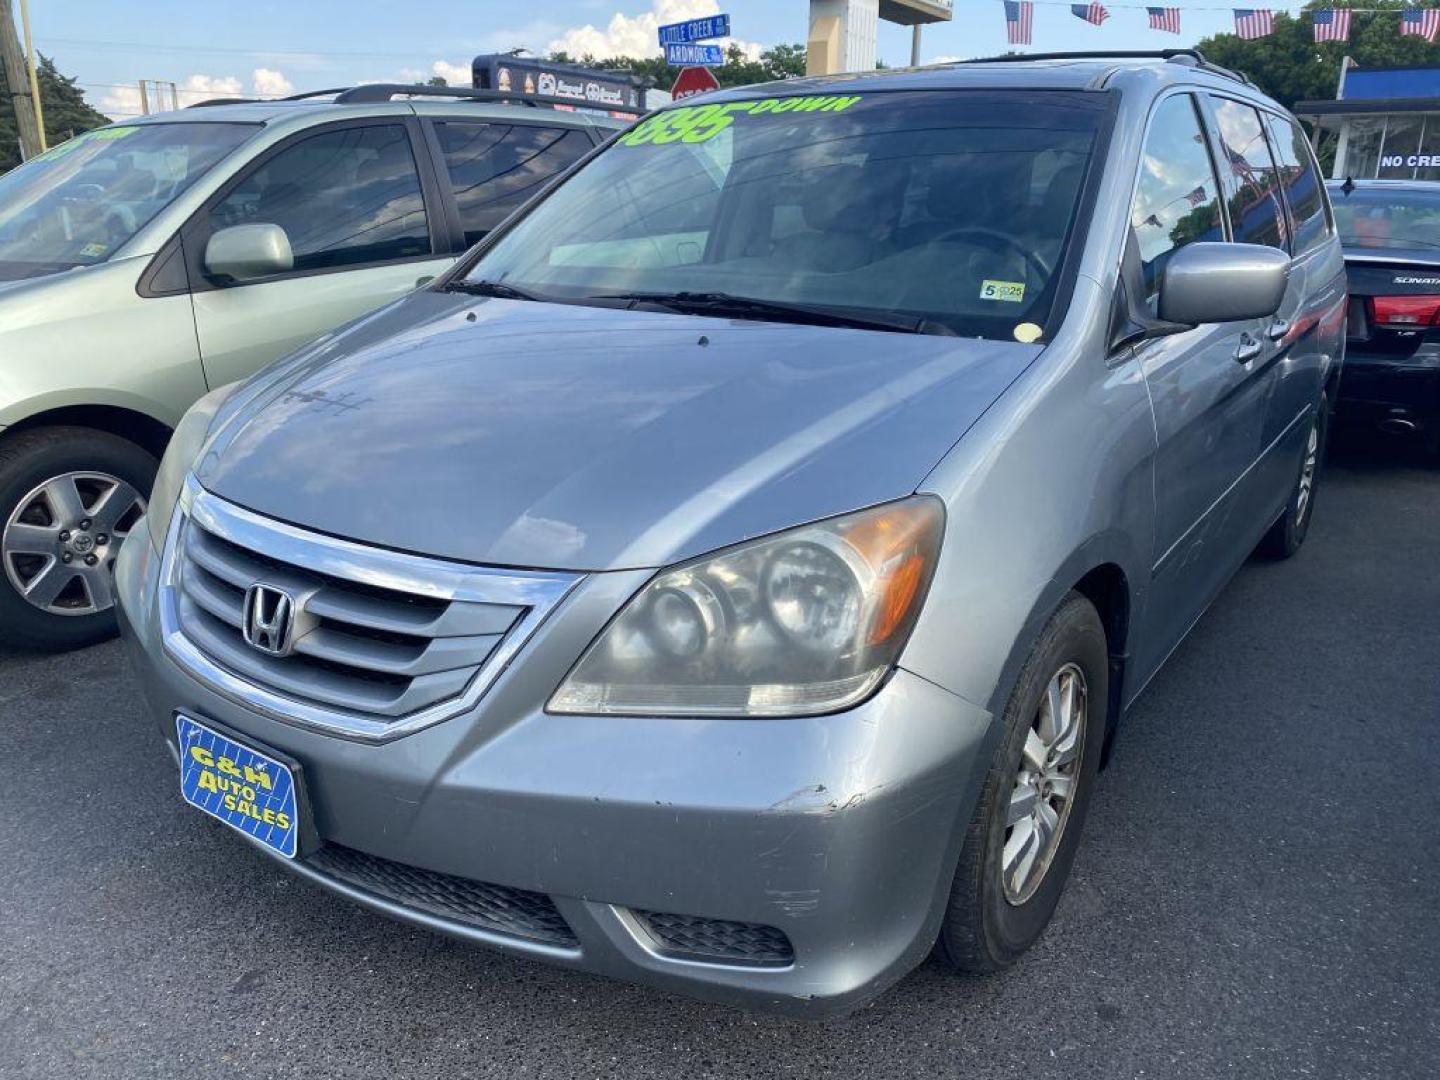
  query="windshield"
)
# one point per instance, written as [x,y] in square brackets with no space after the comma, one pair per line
[76,204]
[952,208]
[1387,217]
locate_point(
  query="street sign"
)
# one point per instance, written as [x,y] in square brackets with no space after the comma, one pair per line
[712,26]
[694,80]
[694,55]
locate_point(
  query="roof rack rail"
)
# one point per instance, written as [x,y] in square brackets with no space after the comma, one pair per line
[208,102]
[1190,57]
[372,93]
[314,93]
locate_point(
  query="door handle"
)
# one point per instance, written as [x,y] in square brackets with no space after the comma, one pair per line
[1249,349]
[1277,330]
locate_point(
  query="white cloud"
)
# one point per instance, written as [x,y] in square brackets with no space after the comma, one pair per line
[271,83]
[122,101]
[453,74]
[634,35]
[204,87]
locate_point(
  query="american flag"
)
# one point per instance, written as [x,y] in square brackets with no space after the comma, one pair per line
[1091,13]
[1251,23]
[1420,22]
[1196,197]
[1164,18]
[1019,21]
[1331,24]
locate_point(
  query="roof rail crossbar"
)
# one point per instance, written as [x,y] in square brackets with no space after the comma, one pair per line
[224,101]
[372,93]
[315,93]
[1191,57]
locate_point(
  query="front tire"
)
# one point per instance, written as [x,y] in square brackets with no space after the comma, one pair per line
[69,498]
[1026,828]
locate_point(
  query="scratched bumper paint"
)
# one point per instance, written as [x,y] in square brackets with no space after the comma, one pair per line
[840,830]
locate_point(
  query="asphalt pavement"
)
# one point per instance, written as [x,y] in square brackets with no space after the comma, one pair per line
[1257,894]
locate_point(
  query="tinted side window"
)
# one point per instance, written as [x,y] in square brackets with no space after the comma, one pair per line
[494,168]
[1301,182]
[342,197]
[1257,214]
[1177,200]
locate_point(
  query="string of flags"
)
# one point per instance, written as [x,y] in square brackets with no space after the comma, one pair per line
[1330,24]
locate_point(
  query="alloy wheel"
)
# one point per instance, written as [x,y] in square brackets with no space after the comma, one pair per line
[1308,465]
[60,543]
[1044,784]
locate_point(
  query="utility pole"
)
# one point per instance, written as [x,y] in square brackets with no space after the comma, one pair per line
[34,77]
[21,96]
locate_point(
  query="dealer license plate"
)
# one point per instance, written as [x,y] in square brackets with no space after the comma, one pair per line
[246,789]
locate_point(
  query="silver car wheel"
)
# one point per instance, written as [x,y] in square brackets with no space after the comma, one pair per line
[1044,784]
[60,542]
[1307,473]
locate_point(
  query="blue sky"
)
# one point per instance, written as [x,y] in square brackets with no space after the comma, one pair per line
[269,47]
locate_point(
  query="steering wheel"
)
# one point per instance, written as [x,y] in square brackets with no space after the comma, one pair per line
[86,193]
[996,240]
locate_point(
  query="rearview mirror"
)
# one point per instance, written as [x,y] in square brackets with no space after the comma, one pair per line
[244,252]
[1215,283]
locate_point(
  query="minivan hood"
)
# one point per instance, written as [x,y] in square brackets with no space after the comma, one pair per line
[582,438]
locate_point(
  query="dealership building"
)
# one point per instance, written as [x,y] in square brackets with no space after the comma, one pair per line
[1384,123]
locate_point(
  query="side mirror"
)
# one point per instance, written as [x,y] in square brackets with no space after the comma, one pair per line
[1215,283]
[245,252]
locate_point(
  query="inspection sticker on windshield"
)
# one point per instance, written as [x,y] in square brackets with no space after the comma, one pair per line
[247,790]
[1012,292]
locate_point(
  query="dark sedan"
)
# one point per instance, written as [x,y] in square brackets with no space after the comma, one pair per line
[1390,230]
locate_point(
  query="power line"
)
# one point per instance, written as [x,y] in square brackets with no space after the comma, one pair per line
[84,43]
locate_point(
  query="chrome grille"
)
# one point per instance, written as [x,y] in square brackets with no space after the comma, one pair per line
[385,643]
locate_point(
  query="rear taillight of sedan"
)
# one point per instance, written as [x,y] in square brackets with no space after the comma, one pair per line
[1404,312]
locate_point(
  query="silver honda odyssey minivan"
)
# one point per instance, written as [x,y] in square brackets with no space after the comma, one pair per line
[730,576]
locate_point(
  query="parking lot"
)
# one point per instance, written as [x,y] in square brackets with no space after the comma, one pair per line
[1255,896]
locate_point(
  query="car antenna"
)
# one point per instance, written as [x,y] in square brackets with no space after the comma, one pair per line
[1348,186]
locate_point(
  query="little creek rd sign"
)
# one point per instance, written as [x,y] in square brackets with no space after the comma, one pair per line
[713,26]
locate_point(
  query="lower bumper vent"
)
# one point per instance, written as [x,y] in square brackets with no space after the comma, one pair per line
[718,941]
[497,908]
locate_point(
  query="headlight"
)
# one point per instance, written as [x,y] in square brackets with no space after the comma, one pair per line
[185,446]
[807,621]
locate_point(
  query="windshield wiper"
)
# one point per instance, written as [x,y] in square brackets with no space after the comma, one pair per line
[722,303]
[497,289]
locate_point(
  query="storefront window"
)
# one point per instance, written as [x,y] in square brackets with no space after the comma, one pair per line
[1400,148]
[1362,148]
[1429,149]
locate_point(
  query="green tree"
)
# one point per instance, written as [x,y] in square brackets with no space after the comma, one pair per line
[1291,66]
[66,112]
[777,62]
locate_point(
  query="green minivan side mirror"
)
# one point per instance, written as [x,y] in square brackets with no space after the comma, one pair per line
[246,252]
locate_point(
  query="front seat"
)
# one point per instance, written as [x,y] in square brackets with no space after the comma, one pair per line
[840,214]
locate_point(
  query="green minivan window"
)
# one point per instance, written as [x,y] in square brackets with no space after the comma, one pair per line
[78,203]
[343,197]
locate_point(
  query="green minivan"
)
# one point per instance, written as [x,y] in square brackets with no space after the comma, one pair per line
[145,263]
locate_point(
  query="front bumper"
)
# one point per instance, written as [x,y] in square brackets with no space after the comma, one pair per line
[841,832]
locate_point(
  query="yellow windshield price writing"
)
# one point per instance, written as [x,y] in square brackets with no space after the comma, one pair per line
[101,135]
[700,123]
